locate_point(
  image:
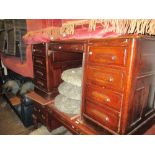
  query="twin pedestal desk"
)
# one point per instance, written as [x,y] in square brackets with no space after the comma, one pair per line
[118,88]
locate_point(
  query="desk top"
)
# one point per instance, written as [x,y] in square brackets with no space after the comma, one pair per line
[39,99]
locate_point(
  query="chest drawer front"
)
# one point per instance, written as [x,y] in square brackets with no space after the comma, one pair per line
[111,42]
[39,61]
[104,97]
[40,113]
[60,56]
[108,55]
[105,77]
[107,118]
[67,47]
[41,83]
[39,73]
[39,49]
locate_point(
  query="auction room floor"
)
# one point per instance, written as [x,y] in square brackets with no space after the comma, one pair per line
[10,124]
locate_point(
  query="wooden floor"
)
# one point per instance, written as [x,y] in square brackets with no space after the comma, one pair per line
[10,124]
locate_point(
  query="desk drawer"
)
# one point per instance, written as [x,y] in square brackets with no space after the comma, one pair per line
[105,117]
[105,77]
[61,56]
[40,113]
[108,55]
[39,73]
[104,97]
[67,47]
[39,49]
[40,83]
[39,61]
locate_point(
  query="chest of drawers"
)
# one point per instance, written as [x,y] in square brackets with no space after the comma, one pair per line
[118,89]
[49,61]
[40,111]
[119,83]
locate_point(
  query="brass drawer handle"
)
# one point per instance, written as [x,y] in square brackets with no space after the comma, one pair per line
[90,53]
[35,109]
[111,79]
[77,122]
[37,51]
[114,58]
[60,47]
[40,83]
[107,99]
[39,72]
[34,116]
[39,61]
[100,95]
[43,117]
[107,119]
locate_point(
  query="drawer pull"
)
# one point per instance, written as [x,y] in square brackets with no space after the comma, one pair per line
[59,47]
[111,79]
[43,117]
[90,53]
[108,99]
[37,51]
[40,83]
[99,95]
[77,122]
[106,119]
[39,61]
[39,72]
[113,58]
[39,110]
[73,127]
[35,109]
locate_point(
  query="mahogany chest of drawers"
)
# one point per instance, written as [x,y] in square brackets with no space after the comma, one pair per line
[49,60]
[118,89]
[119,83]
